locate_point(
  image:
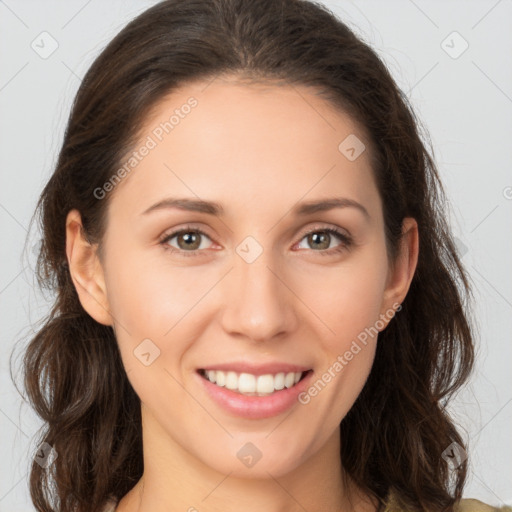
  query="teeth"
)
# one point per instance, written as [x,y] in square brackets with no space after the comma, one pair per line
[219,379]
[231,380]
[249,384]
[289,380]
[279,381]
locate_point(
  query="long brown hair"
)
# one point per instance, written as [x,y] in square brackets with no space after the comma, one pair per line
[395,433]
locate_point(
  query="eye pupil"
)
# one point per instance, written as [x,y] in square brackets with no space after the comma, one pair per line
[320,236]
[189,237]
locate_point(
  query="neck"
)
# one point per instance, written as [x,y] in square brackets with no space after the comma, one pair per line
[174,480]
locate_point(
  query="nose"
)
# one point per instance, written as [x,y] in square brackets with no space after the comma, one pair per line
[259,304]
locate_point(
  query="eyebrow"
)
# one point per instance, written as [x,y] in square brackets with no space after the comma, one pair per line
[213,208]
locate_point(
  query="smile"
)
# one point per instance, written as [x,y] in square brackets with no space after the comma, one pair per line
[252,385]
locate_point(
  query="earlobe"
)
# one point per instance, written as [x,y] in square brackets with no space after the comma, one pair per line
[86,270]
[403,271]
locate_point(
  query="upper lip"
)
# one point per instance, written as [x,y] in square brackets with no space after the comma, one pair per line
[257,369]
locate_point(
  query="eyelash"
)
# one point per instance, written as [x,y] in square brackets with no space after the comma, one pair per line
[345,239]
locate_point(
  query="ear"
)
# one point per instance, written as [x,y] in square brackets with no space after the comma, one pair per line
[86,270]
[402,271]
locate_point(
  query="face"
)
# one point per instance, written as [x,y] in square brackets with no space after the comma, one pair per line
[254,290]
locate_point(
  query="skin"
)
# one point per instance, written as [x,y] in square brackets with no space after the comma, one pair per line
[257,150]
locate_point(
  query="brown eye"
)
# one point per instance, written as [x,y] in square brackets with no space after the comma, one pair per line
[188,241]
[320,240]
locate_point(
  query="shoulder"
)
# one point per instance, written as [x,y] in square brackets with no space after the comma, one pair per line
[472,505]
[464,505]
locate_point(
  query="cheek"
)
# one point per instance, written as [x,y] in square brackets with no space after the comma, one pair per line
[347,298]
[147,303]
[348,306]
[149,307]
[148,295]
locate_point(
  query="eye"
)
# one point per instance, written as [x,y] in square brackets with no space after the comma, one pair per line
[321,238]
[188,240]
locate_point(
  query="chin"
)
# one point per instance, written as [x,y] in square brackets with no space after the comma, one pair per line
[260,457]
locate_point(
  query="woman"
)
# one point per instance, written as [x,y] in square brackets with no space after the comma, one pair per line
[258,305]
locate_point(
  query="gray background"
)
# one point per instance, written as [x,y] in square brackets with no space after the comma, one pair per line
[463,98]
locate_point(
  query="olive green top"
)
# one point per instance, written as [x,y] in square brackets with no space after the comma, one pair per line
[470,505]
[465,505]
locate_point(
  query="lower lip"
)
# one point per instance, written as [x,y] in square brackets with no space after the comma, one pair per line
[255,407]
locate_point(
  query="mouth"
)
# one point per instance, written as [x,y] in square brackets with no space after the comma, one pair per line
[253,385]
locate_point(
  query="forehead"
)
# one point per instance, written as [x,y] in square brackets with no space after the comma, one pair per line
[246,144]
